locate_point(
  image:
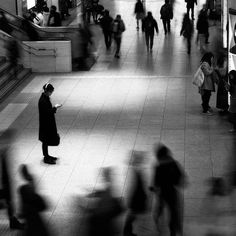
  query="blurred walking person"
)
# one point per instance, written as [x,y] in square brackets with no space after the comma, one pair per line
[32,205]
[47,124]
[166,13]
[187,31]
[139,13]
[106,24]
[118,27]
[190,6]
[168,179]
[222,93]
[6,176]
[203,31]
[137,200]
[150,25]
[54,17]
[232,106]
[13,54]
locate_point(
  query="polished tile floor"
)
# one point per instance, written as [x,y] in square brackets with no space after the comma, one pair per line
[117,106]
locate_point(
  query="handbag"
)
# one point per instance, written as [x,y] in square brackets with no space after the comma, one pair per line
[54,141]
[198,77]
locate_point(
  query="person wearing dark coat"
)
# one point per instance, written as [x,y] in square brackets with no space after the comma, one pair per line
[187,30]
[166,13]
[106,24]
[32,205]
[168,178]
[54,17]
[150,25]
[222,93]
[5,179]
[190,6]
[47,124]
[139,12]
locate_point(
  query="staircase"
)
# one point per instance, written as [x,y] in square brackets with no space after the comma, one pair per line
[8,82]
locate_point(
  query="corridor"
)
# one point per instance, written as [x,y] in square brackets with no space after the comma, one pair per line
[121,105]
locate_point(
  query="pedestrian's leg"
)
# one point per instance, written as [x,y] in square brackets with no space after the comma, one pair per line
[118,45]
[188,9]
[147,40]
[45,149]
[109,39]
[151,41]
[128,226]
[106,39]
[208,96]
[192,11]
[189,44]
[164,26]
[168,25]
[137,24]
[204,101]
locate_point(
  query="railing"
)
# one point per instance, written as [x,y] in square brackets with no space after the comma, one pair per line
[30,49]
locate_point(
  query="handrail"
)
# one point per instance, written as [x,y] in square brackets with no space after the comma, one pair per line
[5,35]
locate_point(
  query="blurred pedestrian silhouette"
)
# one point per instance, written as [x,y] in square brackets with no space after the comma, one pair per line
[47,124]
[106,24]
[222,93]
[203,31]
[6,139]
[190,6]
[4,24]
[118,27]
[137,200]
[150,25]
[169,177]
[232,106]
[32,205]
[54,17]
[139,13]
[187,31]
[13,54]
[166,13]
[105,209]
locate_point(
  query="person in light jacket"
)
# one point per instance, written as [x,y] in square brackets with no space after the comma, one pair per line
[208,85]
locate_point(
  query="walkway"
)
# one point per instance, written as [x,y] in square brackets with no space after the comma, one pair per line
[120,105]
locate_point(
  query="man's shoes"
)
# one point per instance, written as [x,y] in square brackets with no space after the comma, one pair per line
[117,55]
[15,224]
[49,160]
[53,158]
[209,113]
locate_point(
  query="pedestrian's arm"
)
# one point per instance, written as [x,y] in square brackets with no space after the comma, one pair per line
[207,70]
[195,2]
[156,27]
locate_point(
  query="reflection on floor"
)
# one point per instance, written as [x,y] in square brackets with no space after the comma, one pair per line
[121,105]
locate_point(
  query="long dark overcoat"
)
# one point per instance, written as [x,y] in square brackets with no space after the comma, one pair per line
[47,122]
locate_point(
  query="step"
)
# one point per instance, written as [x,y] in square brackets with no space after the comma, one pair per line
[4,67]
[11,84]
[9,75]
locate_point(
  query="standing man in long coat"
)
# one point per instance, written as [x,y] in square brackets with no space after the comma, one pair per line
[47,124]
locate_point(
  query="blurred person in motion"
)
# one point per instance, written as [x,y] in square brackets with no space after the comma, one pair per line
[106,208]
[187,31]
[169,177]
[45,16]
[47,124]
[232,106]
[137,200]
[208,86]
[6,139]
[139,13]
[190,6]
[13,54]
[203,30]
[54,17]
[4,25]
[222,93]
[166,13]
[118,27]
[32,205]
[150,25]
[106,24]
